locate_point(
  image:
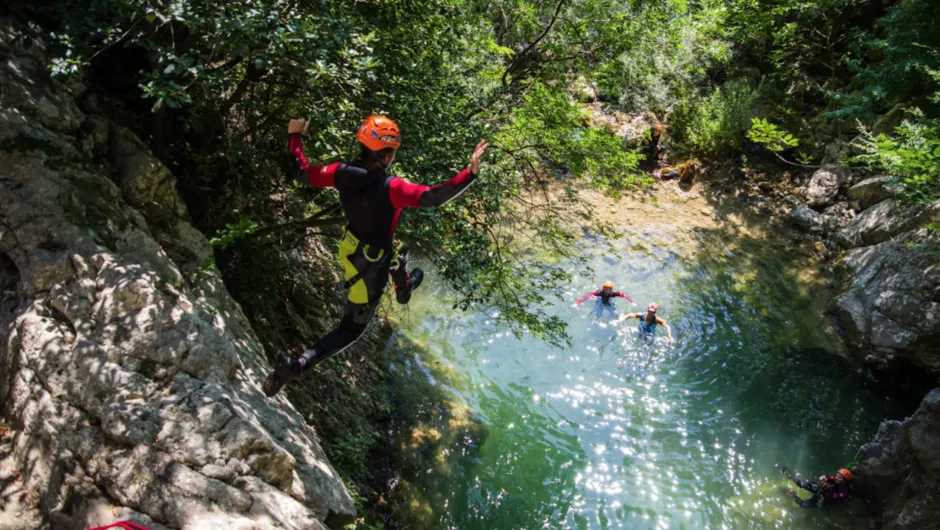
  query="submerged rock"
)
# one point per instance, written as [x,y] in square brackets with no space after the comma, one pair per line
[899,471]
[130,377]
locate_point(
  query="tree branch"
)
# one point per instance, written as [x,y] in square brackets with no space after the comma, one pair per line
[534,43]
[307,222]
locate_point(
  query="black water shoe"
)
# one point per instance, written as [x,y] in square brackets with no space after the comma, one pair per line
[284,372]
[414,281]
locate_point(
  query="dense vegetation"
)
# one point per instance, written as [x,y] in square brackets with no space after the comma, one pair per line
[212,83]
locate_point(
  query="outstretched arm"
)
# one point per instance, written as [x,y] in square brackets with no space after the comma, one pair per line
[318,176]
[628,316]
[406,194]
[622,294]
[585,297]
[665,326]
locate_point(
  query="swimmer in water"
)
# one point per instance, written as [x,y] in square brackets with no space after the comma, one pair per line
[606,293]
[649,321]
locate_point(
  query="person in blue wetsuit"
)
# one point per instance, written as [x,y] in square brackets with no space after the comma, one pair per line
[649,321]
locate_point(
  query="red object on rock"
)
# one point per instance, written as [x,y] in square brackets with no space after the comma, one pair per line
[125,525]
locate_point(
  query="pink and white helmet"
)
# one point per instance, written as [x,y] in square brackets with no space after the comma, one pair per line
[652,308]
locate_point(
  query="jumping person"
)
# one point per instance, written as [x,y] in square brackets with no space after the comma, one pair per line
[372,201]
[649,321]
[827,491]
[606,293]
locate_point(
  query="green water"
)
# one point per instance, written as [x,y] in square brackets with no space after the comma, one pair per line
[618,432]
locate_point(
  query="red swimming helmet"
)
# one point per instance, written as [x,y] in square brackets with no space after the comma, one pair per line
[652,308]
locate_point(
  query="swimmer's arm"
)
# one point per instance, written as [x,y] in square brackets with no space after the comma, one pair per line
[585,297]
[628,316]
[622,294]
[665,326]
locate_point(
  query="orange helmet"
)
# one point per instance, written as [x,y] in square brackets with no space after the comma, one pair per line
[609,284]
[846,474]
[378,132]
[657,128]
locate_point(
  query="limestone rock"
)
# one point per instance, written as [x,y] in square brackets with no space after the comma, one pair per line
[824,186]
[885,220]
[873,190]
[807,219]
[900,469]
[839,215]
[132,386]
[887,311]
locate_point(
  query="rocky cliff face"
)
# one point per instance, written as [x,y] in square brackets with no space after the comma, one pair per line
[129,376]
[888,311]
[900,469]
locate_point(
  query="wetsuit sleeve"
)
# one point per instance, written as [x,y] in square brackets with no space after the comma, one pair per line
[317,176]
[406,194]
[622,294]
[585,297]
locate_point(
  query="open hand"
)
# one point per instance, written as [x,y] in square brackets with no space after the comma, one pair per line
[475,159]
[297,126]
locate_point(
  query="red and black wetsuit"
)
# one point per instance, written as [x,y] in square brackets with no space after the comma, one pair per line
[606,298]
[823,494]
[372,202]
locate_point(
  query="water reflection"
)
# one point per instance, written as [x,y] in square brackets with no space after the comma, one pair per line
[623,432]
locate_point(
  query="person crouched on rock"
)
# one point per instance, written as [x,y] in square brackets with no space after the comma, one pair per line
[372,202]
[827,491]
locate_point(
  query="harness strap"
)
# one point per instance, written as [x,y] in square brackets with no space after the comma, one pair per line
[384,257]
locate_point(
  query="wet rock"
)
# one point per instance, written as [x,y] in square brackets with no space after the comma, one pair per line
[885,220]
[824,186]
[899,471]
[873,190]
[123,381]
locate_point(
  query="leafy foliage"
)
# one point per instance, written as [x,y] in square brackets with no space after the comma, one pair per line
[211,84]
[715,125]
[770,136]
[233,232]
[912,155]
